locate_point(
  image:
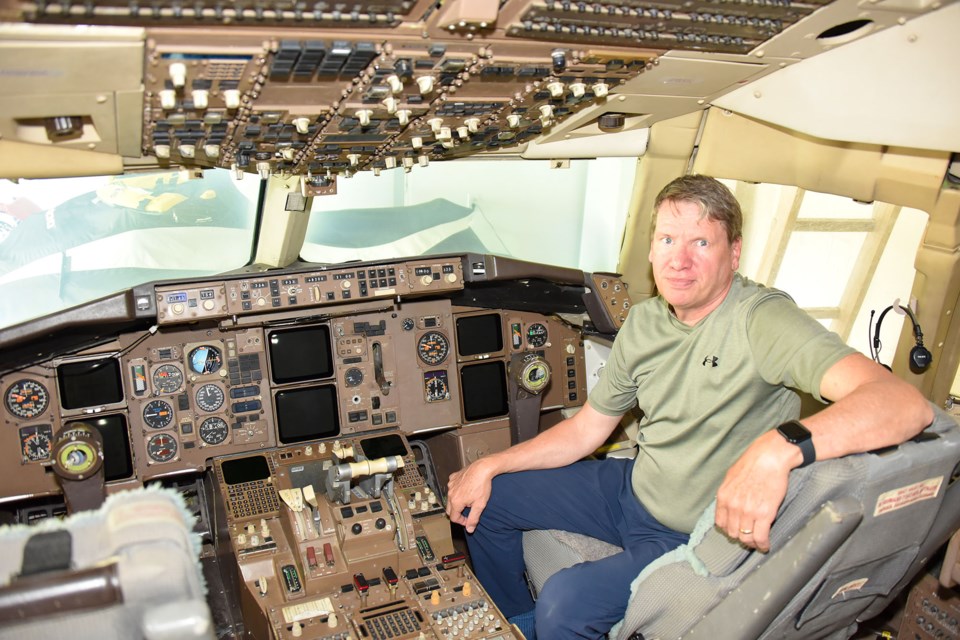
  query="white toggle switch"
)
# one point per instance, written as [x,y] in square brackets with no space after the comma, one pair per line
[513,120]
[416,142]
[162,151]
[231,97]
[391,104]
[390,162]
[403,116]
[168,99]
[601,89]
[578,89]
[302,125]
[395,84]
[187,151]
[425,83]
[546,111]
[555,89]
[363,115]
[473,124]
[201,98]
[178,74]
[212,150]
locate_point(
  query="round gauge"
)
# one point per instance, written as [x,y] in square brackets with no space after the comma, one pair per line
[78,452]
[157,414]
[353,377]
[534,374]
[168,378]
[35,443]
[408,324]
[436,388]
[161,447]
[205,359]
[536,335]
[27,399]
[214,430]
[433,347]
[209,397]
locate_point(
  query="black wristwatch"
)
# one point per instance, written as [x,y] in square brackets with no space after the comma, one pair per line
[795,433]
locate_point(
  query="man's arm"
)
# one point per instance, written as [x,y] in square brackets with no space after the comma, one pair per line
[872,409]
[563,444]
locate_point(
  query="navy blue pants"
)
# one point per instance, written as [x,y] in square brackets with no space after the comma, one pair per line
[591,497]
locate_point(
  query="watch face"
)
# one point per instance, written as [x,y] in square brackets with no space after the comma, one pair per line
[794,432]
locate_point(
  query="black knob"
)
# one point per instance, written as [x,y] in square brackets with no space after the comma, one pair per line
[612,121]
[380,523]
[357,528]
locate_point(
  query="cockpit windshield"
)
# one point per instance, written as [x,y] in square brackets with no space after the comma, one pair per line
[572,215]
[67,241]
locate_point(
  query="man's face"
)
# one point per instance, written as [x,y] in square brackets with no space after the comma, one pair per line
[693,262]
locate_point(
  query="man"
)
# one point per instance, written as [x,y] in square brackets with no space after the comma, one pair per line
[712,363]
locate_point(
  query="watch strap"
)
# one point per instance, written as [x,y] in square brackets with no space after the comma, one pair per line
[805,443]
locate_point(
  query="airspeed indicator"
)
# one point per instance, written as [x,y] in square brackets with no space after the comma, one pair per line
[433,347]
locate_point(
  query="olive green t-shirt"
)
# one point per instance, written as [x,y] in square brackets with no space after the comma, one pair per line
[707,391]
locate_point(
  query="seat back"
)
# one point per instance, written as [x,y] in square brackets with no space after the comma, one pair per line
[125,571]
[849,536]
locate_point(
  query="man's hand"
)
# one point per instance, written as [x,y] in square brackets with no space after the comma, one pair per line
[754,487]
[469,489]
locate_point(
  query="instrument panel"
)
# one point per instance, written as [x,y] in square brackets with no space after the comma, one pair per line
[169,401]
[344,539]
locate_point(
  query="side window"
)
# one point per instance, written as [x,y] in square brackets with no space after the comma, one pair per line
[843,261]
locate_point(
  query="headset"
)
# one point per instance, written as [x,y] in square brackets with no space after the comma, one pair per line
[920,356]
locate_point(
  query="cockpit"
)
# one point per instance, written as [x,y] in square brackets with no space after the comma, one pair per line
[299,263]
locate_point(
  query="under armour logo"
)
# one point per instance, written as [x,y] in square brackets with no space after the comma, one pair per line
[711,360]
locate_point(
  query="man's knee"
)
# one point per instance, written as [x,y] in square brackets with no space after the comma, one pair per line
[560,611]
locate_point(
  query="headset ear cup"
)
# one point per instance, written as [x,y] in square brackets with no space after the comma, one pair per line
[920,359]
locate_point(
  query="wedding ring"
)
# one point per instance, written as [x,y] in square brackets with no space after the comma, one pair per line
[746,532]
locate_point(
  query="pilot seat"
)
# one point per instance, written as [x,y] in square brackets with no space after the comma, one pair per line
[127,570]
[849,536]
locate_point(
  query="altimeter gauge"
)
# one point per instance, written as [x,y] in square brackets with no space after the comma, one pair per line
[214,430]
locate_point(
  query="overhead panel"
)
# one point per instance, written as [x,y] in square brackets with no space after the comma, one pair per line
[327,89]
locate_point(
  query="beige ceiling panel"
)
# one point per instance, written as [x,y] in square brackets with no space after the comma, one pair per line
[692,77]
[894,87]
[20,160]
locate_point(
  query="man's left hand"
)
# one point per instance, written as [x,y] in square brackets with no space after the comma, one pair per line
[753,489]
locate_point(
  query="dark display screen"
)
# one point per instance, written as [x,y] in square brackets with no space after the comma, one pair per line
[479,334]
[484,390]
[301,354]
[390,445]
[91,383]
[240,470]
[117,462]
[307,413]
